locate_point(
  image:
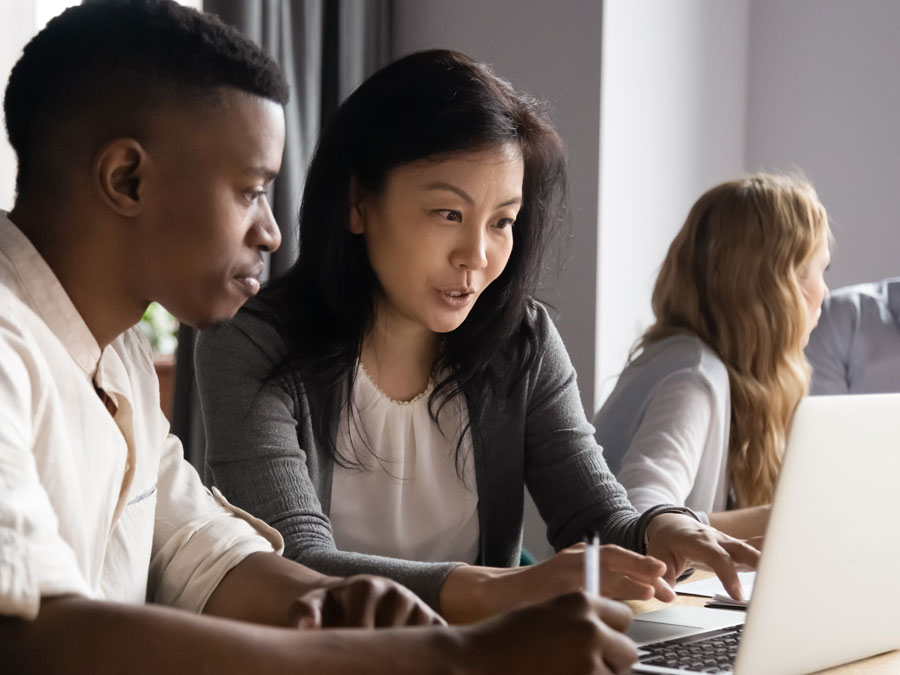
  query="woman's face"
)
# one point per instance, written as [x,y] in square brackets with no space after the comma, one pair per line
[811,275]
[439,233]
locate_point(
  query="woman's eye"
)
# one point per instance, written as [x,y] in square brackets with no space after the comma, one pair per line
[255,194]
[450,214]
[505,223]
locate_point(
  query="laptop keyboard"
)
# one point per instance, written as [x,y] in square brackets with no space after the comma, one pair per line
[710,652]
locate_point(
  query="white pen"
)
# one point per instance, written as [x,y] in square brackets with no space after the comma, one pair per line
[592,565]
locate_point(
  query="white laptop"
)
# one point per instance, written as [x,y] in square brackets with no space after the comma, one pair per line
[827,590]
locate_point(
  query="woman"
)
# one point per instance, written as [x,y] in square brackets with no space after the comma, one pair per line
[385,404]
[700,416]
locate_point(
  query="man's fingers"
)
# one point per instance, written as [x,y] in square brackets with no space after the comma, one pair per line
[615,614]
[362,602]
[374,602]
[306,612]
[619,652]
[398,607]
[420,617]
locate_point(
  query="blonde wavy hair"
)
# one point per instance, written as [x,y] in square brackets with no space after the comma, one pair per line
[730,277]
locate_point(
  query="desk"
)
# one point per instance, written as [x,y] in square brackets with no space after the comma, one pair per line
[883,664]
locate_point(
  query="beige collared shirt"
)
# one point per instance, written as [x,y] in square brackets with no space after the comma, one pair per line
[92,504]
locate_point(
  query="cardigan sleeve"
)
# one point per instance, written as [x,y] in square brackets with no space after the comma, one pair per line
[572,486]
[254,425]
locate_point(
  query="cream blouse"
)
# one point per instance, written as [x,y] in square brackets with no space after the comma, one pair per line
[407,499]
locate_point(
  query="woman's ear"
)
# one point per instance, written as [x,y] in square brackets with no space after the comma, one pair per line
[118,174]
[357,218]
[357,209]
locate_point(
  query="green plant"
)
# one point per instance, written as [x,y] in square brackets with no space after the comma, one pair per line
[161,329]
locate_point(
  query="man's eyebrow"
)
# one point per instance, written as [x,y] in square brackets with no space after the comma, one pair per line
[465,195]
[263,172]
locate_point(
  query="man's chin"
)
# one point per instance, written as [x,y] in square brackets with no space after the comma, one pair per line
[208,321]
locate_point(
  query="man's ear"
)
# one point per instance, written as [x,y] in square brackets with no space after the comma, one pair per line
[118,171]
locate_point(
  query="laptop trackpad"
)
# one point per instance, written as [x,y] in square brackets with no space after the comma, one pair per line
[678,621]
[645,632]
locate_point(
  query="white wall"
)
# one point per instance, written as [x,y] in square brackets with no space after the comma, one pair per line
[824,95]
[673,100]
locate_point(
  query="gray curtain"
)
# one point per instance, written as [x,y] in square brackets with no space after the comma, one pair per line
[326,48]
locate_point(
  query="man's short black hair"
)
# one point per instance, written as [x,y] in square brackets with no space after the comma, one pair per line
[115,59]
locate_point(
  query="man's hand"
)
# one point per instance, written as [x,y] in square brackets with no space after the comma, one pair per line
[680,541]
[268,589]
[572,634]
[361,601]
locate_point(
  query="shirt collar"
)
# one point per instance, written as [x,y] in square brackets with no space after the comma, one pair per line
[44,294]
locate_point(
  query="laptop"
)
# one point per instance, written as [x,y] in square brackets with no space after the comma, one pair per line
[827,590]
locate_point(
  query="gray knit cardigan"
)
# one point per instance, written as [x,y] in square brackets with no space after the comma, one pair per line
[263,457]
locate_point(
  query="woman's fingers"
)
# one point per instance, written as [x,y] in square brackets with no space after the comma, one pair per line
[624,588]
[618,559]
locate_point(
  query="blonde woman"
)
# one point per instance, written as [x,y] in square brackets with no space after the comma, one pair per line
[700,415]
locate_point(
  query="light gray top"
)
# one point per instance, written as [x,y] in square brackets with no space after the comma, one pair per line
[263,456]
[855,349]
[665,426]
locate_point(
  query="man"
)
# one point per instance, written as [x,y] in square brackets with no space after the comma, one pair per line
[855,349]
[146,135]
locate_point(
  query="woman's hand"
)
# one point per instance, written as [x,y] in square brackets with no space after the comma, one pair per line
[361,601]
[471,593]
[680,541]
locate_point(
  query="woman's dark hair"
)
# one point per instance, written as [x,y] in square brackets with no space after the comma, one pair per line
[428,105]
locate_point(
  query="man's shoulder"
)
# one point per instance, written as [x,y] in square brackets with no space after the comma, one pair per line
[17,317]
[856,294]
[25,362]
[850,306]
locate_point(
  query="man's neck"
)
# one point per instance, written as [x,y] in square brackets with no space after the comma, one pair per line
[87,272]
